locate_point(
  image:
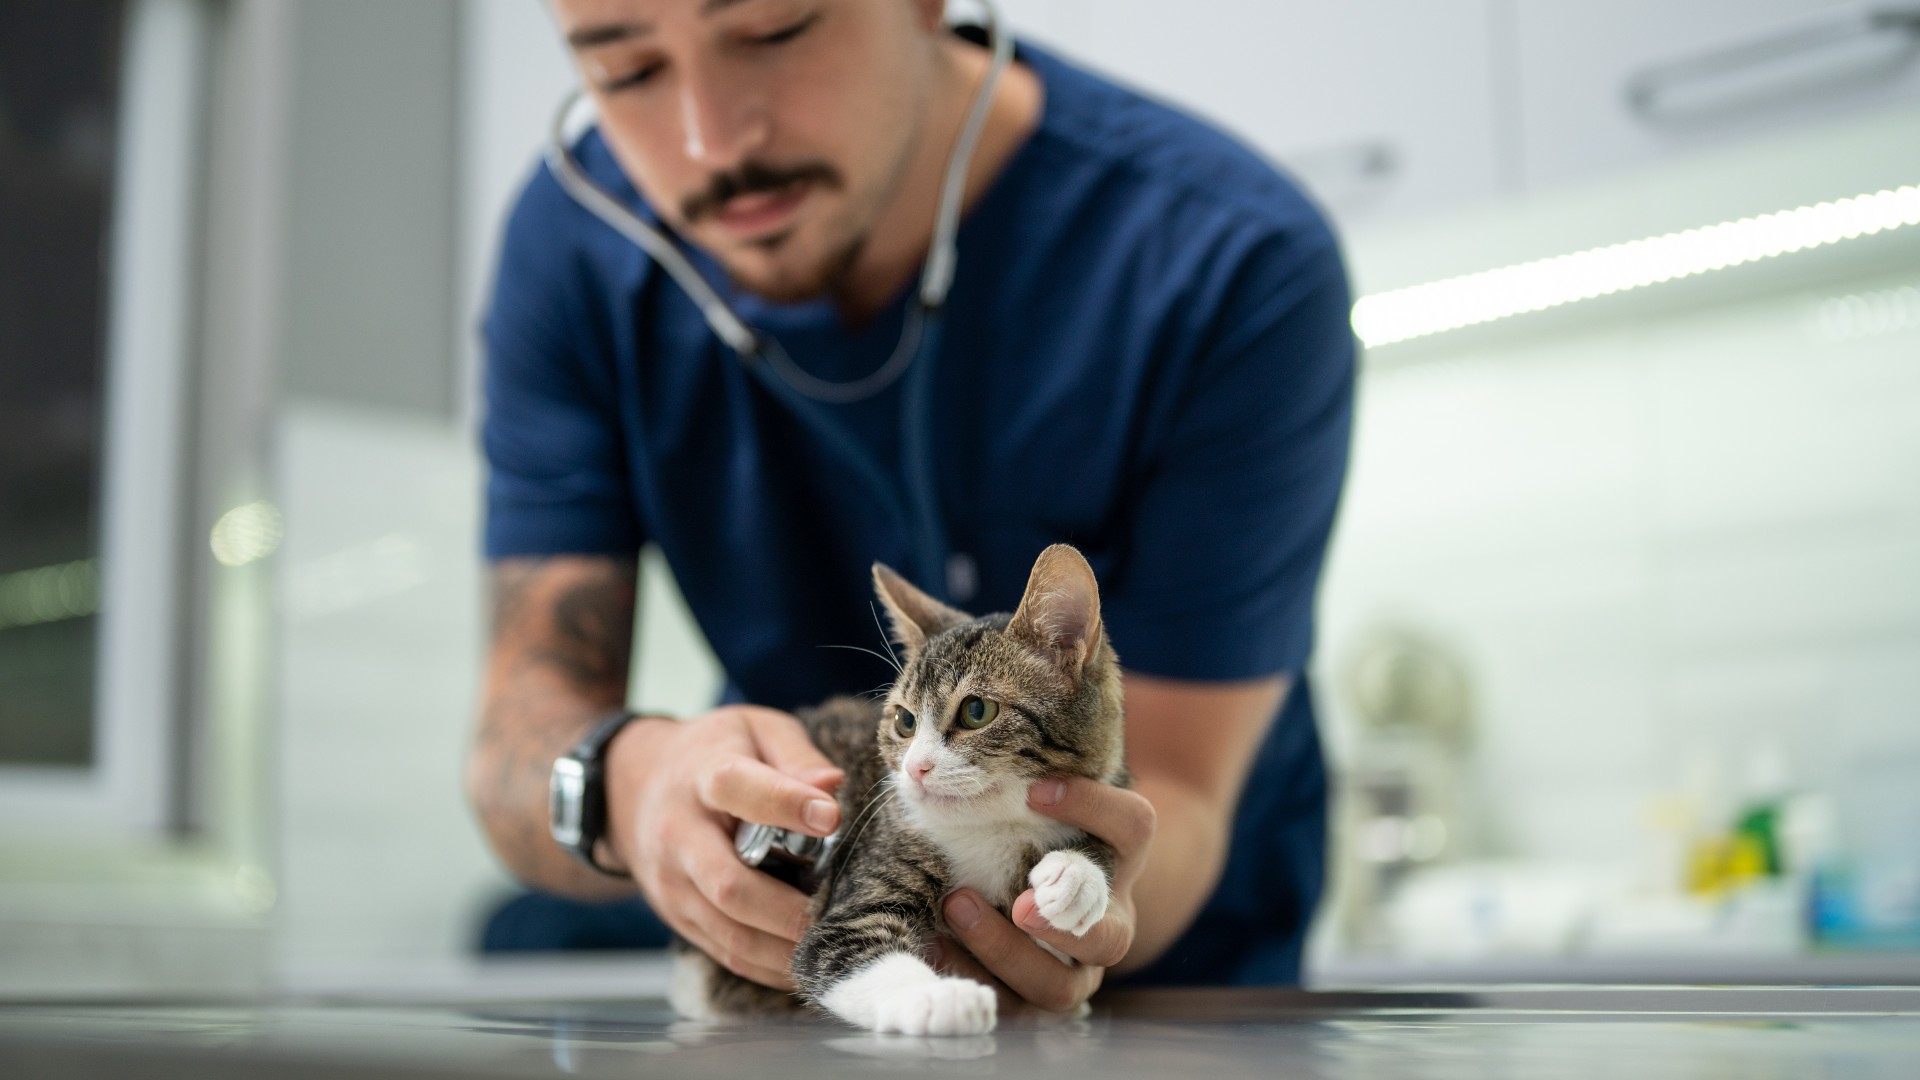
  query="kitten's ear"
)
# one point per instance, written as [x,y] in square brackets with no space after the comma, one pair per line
[1060,613]
[915,615]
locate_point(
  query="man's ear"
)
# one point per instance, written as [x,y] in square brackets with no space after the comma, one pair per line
[915,615]
[1060,613]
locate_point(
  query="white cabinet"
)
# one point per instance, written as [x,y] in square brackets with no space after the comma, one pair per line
[1377,106]
[1607,86]
[1408,106]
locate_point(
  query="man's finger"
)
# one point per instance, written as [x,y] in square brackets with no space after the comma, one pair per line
[1103,945]
[1013,957]
[1124,819]
[783,743]
[743,950]
[744,894]
[754,791]
[950,958]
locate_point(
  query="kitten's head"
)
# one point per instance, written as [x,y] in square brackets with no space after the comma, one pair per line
[985,706]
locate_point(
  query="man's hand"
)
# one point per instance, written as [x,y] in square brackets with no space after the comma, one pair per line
[675,791]
[1005,949]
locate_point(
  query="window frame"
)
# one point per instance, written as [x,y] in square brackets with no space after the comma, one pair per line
[141,642]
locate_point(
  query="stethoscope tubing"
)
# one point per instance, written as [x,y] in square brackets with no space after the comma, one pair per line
[802,392]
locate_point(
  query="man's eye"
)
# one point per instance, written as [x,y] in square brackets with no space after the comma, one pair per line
[781,37]
[621,82]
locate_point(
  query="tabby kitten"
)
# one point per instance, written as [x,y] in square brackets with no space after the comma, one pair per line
[936,798]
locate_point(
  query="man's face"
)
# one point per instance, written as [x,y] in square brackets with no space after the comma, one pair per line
[771,133]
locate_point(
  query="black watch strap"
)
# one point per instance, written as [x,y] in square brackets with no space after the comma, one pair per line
[577,793]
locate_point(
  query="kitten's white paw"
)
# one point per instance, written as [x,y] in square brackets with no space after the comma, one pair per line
[1069,891]
[901,993]
[689,989]
[948,1007]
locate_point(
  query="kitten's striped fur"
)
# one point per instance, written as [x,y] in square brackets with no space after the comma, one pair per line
[907,844]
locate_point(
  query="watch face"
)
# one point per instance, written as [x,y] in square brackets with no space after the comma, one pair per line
[566,795]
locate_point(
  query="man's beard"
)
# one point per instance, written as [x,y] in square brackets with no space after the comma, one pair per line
[791,285]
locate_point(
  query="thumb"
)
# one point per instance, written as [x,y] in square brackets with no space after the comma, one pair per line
[783,744]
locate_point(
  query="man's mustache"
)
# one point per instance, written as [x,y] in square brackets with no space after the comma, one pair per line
[752,178]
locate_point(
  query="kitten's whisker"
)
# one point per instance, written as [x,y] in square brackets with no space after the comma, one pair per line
[884,639]
[889,661]
[884,777]
[860,823]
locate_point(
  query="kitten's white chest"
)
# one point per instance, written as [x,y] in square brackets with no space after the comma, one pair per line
[985,852]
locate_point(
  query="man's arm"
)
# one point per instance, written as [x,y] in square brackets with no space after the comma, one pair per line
[1190,746]
[562,634]
[561,640]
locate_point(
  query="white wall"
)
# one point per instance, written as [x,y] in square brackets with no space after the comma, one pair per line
[380,860]
[1673,538]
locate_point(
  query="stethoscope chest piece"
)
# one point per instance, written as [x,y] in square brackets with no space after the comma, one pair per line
[791,856]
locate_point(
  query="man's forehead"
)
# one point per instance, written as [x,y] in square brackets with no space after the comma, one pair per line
[587,23]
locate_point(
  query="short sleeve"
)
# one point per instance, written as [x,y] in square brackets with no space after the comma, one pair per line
[558,481]
[1229,527]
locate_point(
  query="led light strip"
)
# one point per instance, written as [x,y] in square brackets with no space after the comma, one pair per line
[1453,303]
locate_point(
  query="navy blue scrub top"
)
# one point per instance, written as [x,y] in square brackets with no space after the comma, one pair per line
[1146,354]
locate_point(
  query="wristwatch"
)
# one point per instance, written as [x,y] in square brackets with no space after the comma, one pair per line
[577,793]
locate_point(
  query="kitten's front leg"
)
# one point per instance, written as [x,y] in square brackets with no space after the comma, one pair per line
[1071,886]
[862,964]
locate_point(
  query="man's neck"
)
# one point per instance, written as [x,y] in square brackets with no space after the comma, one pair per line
[897,247]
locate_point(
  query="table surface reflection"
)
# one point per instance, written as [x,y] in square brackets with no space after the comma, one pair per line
[1620,1033]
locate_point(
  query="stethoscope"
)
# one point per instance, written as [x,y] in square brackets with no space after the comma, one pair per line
[801,391]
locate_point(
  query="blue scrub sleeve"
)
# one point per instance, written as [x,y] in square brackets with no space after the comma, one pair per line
[558,479]
[1230,526]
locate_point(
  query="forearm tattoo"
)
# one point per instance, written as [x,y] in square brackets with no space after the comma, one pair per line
[562,634]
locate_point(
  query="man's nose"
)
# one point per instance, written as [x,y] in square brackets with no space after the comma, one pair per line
[722,121]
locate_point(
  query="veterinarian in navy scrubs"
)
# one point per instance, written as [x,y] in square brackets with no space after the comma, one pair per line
[1146,353]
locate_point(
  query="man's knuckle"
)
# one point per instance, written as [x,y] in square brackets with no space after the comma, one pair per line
[1057,996]
[730,890]
[708,783]
[1090,980]
[736,942]
[1145,820]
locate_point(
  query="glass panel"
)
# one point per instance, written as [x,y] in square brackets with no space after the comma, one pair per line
[59,94]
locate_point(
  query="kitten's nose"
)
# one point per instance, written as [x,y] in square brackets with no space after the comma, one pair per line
[919,769]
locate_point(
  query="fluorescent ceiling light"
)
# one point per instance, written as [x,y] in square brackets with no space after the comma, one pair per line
[1454,303]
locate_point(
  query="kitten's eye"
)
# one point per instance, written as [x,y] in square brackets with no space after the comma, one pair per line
[903,722]
[978,712]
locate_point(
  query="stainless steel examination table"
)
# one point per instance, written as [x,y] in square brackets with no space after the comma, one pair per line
[1536,1033]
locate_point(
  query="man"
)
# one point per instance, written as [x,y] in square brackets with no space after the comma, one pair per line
[1146,354]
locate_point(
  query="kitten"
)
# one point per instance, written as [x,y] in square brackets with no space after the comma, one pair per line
[936,798]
